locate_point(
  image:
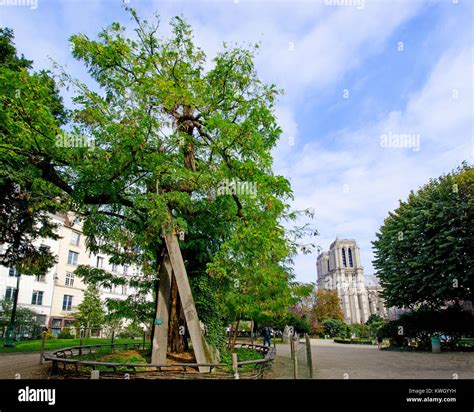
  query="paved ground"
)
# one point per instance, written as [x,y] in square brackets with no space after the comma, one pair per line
[332,361]
[26,364]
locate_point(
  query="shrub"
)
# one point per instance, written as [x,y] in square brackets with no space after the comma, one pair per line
[361,331]
[334,327]
[48,335]
[362,341]
[374,318]
[131,331]
[355,340]
[451,323]
[65,334]
[374,328]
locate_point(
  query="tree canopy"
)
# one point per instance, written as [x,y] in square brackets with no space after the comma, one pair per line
[167,142]
[423,251]
[27,198]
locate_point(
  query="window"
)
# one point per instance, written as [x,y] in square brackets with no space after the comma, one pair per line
[350,258]
[12,271]
[72,258]
[124,289]
[75,238]
[114,267]
[69,279]
[37,298]
[100,262]
[10,293]
[344,262]
[125,269]
[41,278]
[67,303]
[41,319]
[56,323]
[328,266]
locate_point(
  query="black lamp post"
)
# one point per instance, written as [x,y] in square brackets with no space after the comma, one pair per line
[10,335]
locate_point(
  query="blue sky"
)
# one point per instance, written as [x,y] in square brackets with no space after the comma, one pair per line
[351,73]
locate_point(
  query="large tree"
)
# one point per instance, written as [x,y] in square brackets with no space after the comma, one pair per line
[26,199]
[168,133]
[423,251]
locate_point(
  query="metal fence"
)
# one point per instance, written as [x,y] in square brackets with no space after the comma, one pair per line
[67,362]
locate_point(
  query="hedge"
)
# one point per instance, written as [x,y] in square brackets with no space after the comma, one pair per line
[355,340]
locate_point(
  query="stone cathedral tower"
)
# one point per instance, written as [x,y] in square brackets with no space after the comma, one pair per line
[340,269]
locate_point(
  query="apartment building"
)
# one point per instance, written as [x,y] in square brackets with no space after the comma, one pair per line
[56,295]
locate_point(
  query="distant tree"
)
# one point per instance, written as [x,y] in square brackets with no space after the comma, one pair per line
[91,313]
[423,252]
[327,306]
[299,323]
[373,319]
[335,327]
[23,315]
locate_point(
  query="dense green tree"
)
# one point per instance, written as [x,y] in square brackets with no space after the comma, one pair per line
[423,252]
[90,312]
[336,327]
[170,144]
[26,199]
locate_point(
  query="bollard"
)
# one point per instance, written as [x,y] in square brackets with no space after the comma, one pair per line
[294,358]
[235,366]
[95,374]
[43,340]
[308,355]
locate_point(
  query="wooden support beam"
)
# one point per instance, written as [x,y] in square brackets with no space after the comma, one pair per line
[201,349]
[160,337]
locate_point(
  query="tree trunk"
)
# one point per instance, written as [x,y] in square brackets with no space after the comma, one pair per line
[156,284]
[177,341]
[236,332]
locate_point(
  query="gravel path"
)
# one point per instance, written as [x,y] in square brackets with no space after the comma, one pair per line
[26,364]
[338,361]
[330,360]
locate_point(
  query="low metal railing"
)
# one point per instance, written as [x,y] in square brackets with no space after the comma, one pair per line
[64,357]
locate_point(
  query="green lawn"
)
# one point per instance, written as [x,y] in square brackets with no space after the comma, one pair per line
[243,354]
[50,344]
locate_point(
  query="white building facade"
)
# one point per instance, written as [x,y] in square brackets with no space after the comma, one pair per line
[56,295]
[340,269]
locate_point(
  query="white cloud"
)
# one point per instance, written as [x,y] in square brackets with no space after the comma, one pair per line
[376,177]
